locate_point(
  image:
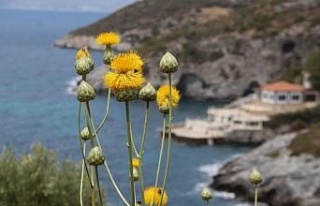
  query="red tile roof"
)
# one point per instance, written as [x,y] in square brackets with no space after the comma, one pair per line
[283,86]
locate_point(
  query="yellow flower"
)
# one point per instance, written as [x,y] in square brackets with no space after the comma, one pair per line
[155,193]
[163,96]
[124,62]
[130,80]
[135,162]
[83,52]
[108,38]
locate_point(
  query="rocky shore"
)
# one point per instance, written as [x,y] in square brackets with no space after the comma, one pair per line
[288,179]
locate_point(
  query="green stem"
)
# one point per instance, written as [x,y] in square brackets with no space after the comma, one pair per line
[107,166]
[81,146]
[160,154]
[81,179]
[98,185]
[141,184]
[107,112]
[256,195]
[133,144]
[91,128]
[129,145]
[143,139]
[115,184]
[166,172]
[141,152]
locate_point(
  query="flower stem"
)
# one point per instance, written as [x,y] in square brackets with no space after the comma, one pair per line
[129,145]
[256,195]
[107,112]
[82,149]
[81,179]
[91,128]
[160,154]
[166,172]
[115,184]
[143,139]
[133,144]
[107,166]
[141,151]
[98,184]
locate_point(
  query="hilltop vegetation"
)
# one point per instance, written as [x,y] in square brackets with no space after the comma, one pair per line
[224,47]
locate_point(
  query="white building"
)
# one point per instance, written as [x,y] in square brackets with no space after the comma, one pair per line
[282,92]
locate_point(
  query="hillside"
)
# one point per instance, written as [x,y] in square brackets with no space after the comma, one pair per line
[225,48]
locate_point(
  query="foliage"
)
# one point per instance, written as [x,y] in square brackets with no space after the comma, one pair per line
[301,118]
[313,66]
[38,179]
[307,142]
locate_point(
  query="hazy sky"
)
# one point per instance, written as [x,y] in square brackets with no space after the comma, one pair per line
[71,5]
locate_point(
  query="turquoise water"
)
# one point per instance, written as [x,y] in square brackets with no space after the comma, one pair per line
[35,107]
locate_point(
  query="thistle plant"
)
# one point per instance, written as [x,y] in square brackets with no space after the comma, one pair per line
[255,178]
[126,81]
[206,195]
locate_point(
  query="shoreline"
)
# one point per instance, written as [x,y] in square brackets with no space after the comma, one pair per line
[284,182]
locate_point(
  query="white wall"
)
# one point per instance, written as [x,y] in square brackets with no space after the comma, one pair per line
[281,97]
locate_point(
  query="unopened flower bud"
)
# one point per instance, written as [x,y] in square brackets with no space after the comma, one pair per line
[135,174]
[84,65]
[85,134]
[206,194]
[95,156]
[85,92]
[125,95]
[148,93]
[164,109]
[107,56]
[168,63]
[255,177]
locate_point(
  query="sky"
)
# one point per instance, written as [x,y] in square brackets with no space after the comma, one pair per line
[66,5]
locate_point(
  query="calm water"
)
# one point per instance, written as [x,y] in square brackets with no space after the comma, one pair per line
[35,107]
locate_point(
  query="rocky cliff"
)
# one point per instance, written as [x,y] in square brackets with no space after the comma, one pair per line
[225,48]
[290,177]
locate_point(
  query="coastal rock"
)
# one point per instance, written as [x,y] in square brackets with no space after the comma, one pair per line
[288,180]
[225,48]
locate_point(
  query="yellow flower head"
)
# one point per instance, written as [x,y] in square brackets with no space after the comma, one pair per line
[83,52]
[108,38]
[129,61]
[130,80]
[136,162]
[163,96]
[155,193]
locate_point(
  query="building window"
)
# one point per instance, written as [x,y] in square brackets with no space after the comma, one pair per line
[237,122]
[295,97]
[252,123]
[282,98]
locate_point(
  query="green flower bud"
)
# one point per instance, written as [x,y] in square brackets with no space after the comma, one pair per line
[85,92]
[168,63]
[135,174]
[84,65]
[125,95]
[206,194]
[255,177]
[164,109]
[95,157]
[107,56]
[148,93]
[85,134]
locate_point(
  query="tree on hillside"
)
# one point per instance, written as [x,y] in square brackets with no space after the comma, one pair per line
[313,66]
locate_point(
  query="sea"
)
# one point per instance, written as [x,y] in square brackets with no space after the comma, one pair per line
[36,105]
